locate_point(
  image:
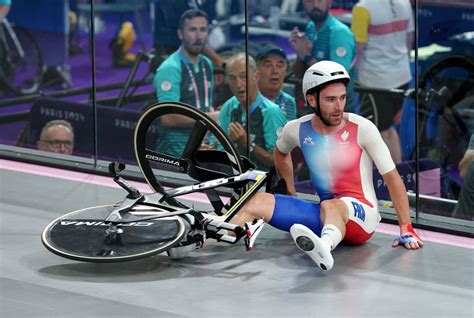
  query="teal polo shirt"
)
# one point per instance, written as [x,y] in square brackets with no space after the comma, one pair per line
[334,41]
[179,80]
[287,104]
[267,120]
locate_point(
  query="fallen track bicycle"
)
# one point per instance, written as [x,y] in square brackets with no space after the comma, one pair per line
[143,225]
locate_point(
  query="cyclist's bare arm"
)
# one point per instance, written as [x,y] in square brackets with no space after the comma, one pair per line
[284,168]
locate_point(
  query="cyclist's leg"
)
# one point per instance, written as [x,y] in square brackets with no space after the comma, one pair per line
[261,205]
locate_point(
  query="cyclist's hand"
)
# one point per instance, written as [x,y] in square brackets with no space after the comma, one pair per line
[408,238]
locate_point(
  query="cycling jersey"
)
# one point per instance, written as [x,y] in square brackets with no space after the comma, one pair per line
[340,163]
[179,80]
[267,121]
[287,105]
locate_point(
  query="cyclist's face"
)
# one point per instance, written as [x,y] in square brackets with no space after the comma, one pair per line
[194,34]
[272,71]
[237,80]
[317,10]
[332,100]
[58,139]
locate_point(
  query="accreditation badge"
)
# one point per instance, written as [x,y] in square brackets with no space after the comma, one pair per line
[166,86]
[341,51]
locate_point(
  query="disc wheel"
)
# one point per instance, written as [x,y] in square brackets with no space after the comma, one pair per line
[83,235]
[198,163]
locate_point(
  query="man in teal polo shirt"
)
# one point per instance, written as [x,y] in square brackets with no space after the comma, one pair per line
[185,76]
[272,64]
[267,119]
[325,38]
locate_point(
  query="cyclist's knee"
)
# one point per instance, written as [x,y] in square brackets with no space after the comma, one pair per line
[261,205]
[334,208]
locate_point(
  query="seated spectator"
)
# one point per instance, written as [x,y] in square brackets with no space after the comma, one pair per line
[57,136]
[272,64]
[267,119]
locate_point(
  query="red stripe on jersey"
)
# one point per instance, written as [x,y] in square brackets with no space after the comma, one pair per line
[387,28]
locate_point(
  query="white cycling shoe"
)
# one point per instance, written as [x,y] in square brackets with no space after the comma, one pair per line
[313,246]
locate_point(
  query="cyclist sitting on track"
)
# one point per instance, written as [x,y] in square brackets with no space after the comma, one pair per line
[339,148]
[4,8]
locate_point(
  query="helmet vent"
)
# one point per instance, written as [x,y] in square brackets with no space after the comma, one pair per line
[337,73]
[317,73]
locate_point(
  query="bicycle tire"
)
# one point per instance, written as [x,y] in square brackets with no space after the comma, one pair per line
[367,106]
[22,75]
[81,235]
[189,162]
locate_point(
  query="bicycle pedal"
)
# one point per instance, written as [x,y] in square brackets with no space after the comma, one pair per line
[253,229]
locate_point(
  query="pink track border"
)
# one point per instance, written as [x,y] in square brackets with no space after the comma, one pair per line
[384,228]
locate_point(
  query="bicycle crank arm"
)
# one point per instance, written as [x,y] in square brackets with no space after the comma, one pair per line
[253,229]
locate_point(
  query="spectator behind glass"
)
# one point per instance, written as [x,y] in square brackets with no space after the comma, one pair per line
[266,117]
[384,33]
[57,136]
[185,76]
[271,64]
[325,38]
[4,8]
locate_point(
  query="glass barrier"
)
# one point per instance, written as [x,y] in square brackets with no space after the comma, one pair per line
[76,77]
[445,122]
[46,79]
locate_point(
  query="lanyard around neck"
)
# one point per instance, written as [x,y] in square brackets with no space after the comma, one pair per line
[186,62]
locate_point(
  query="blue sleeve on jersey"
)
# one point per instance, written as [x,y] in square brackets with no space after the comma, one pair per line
[342,47]
[273,122]
[167,83]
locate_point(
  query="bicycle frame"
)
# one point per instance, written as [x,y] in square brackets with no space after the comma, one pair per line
[200,224]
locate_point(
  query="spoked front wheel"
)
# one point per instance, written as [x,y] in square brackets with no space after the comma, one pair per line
[84,235]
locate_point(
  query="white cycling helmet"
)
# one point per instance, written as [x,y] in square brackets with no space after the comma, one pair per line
[323,72]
